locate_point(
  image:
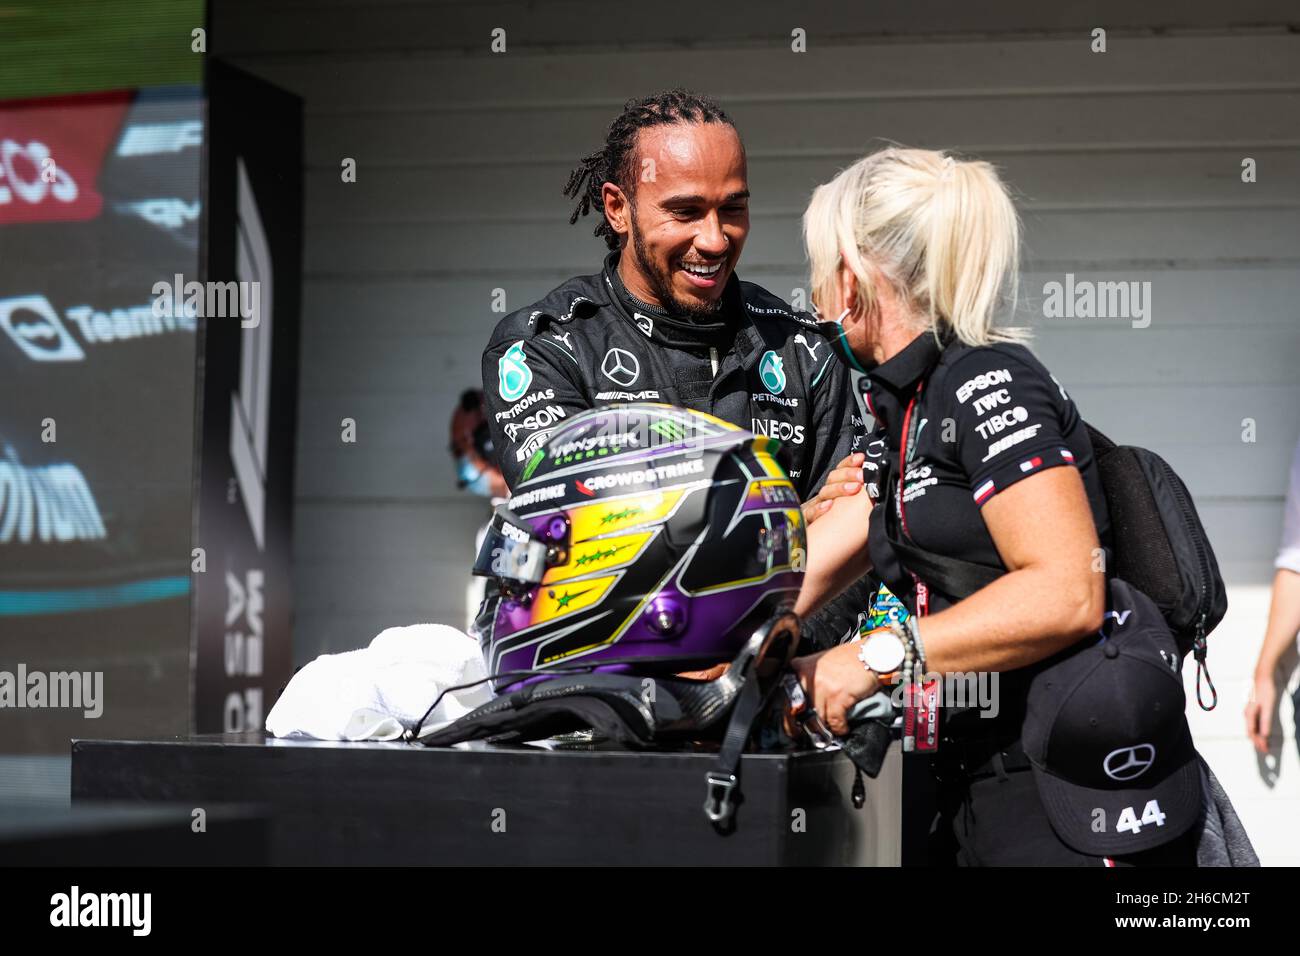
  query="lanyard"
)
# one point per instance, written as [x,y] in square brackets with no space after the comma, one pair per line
[921,700]
[910,429]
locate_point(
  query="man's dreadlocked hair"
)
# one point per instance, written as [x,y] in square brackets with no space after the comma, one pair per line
[615,162]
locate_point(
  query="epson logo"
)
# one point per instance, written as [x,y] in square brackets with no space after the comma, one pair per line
[982,381]
[543,418]
[513,533]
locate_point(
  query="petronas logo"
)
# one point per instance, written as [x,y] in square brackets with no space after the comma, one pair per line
[513,374]
[771,372]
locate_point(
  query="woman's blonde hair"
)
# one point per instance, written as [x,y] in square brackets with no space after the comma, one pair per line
[944,233]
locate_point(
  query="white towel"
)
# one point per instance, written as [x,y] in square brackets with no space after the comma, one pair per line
[380,691]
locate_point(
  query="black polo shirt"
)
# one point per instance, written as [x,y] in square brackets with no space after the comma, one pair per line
[987,417]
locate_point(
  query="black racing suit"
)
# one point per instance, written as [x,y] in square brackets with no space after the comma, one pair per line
[762,366]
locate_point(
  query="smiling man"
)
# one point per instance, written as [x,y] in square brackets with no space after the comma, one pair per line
[667,319]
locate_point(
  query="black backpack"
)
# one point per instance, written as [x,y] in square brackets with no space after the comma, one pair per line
[1160,548]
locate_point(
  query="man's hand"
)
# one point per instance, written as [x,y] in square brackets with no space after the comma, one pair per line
[833,681]
[845,480]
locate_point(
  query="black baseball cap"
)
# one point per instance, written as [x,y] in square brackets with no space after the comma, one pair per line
[1105,730]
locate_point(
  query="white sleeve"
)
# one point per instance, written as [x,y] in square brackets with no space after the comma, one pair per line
[1288,555]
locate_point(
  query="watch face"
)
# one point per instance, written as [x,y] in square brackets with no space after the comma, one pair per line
[883,652]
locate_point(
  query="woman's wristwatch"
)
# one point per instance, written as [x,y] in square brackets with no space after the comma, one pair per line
[883,652]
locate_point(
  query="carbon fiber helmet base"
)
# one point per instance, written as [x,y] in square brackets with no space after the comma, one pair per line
[645,539]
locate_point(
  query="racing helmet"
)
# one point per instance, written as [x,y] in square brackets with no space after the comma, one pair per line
[643,539]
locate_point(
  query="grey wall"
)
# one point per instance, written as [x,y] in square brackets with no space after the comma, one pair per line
[1127,166]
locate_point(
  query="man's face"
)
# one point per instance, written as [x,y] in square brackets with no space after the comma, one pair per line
[689,214]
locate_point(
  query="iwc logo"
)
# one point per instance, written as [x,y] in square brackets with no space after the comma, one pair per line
[513,374]
[771,372]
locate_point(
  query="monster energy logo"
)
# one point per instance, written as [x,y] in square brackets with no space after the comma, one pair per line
[600,555]
[538,457]
[629,512]
[668,430]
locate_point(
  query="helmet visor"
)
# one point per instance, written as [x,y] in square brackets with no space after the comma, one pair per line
[512,550]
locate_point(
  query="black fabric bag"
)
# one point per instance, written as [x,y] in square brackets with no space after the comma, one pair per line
[1160,546]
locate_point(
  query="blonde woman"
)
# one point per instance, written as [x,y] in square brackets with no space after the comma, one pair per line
[913,252]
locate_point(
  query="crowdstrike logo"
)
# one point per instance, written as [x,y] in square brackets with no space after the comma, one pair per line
[647,476]
[549,493]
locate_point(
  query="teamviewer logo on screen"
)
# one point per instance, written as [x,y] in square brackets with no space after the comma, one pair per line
[36,328]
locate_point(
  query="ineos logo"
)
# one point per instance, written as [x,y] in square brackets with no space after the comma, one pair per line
[621,367]
[1128,763]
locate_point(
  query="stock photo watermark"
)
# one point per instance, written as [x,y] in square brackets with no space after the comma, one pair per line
[53,690]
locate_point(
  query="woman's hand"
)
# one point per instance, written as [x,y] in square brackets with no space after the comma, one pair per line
[846,479]
[1260,709]
[833,681]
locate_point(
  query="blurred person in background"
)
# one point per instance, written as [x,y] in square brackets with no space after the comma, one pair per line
[476,472]
[1283,620]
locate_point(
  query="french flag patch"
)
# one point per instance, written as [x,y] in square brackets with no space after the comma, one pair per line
[983,492]
[1067,455]
[1031,464]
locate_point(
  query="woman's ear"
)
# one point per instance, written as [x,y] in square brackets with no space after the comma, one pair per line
[849,299]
